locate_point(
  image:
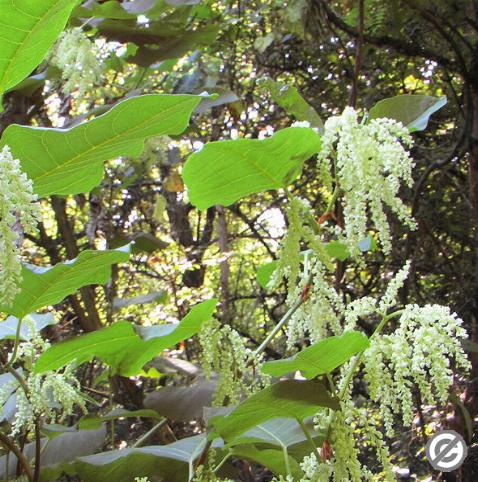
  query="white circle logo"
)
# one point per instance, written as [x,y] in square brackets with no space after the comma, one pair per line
[446,450]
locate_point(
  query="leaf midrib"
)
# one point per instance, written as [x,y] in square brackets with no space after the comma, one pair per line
[72,160]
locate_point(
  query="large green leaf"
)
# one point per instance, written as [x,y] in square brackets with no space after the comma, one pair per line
[322,357]
[182,403]
[413,111]
[283,433]
[57,451]
[171,463]
[124,346]
[279,432]
[42,287]
[273,459]
[288,399]
[28,28]
[225,171]
[288,97]
[70,161]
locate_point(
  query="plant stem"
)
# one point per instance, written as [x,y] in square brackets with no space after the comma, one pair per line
[309,438]
[357,361]
[38,450]
[36,474]
[148,434]
[358,358]
[222,462]
[10,445]
[282,321]
[337,192]
[15,344]
[286,460]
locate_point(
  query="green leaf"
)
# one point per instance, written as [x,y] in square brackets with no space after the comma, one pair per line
[262,43]
[367,244]
[8,328]
[225,171]
[28,30]
[322,357]
[182,403]
[273,459]
[53,430]
[288,399]
[8,407]
[264,273]
[92,421]
[57,451]
[283,433]
[338,250]
[70,161]
[171,463]
[42,287]
[124,346]
[288,97]
[413,111]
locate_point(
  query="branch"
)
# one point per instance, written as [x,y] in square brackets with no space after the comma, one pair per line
[10,445]
[358,55]
[411,49]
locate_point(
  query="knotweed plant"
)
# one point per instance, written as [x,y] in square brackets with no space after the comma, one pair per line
[364,165]
[299,416]
[412,348]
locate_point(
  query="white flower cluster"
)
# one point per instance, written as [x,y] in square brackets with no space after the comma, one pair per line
[18,204]
[79,60]
[238,370]
[320,315]
[323,303]
[289,258]
[51,396]
[371,163]
[418,352]
[316,470]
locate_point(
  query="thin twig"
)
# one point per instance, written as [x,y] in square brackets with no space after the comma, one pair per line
[358,55]
[10,445]
[148,434]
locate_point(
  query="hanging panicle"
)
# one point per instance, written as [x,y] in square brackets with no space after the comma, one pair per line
[18,204]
